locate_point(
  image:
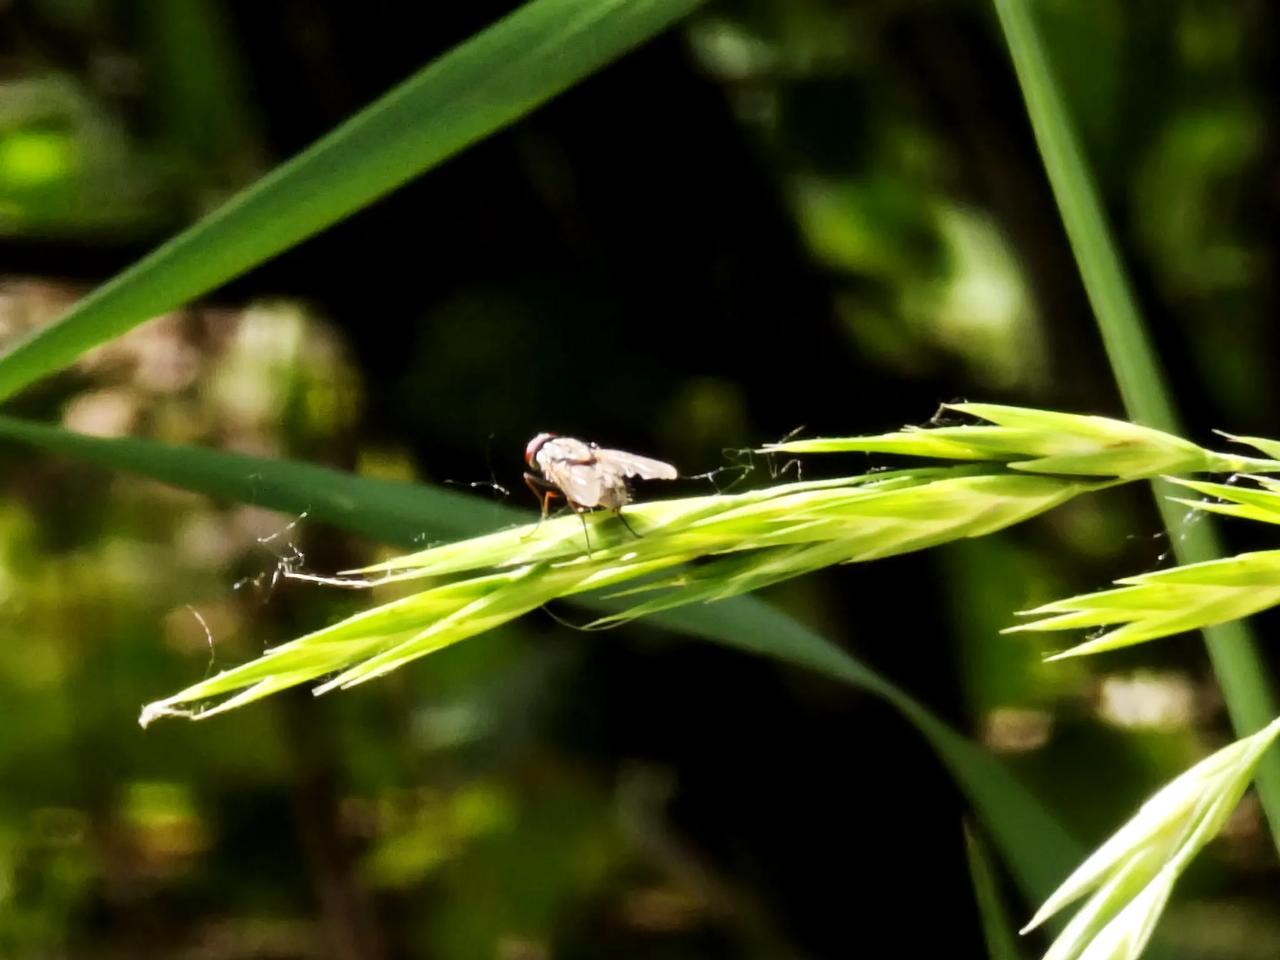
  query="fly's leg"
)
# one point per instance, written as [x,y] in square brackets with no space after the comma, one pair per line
[544,491]
[582,515]
[630,529]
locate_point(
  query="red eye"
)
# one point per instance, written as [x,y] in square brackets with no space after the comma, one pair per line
[534,446]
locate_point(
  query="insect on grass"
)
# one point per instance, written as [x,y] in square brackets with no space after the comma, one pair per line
[586,476]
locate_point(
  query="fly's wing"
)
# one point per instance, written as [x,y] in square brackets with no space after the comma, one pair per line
[581,483]
[631,465]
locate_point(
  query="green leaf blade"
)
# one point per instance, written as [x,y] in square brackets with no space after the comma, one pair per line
[478,87]
[1009,812]
[1237,662]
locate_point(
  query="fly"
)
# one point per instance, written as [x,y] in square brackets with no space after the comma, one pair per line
[586,476]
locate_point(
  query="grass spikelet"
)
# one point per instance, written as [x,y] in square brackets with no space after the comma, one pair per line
[1132,874]
[1163,603]
[1044,441]
[743,541]
[1233,500]
[702,549]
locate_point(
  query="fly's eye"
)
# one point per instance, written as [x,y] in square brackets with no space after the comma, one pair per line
[531,451]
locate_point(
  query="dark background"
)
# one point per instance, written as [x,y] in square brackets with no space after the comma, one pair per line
[783,214]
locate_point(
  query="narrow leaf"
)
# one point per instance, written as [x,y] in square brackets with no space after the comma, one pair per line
[1237,662]
[1248,502]
[475,89]
[996,928]
[385,510]
[1035,844]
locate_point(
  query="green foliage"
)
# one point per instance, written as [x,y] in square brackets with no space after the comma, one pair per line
[479,87]
[1132,875]
[784,531]
[707,548]
[1001,942]
[1240,668]
[1165,602]
[1042,441]
[396,513]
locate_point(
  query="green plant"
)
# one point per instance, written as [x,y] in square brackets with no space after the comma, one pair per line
[720,548]
[710,548]
[392,512]
[1239,668]
[706,549]
[473,90]
[1133,874]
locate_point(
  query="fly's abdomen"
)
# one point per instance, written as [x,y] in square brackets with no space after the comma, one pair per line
[615,494]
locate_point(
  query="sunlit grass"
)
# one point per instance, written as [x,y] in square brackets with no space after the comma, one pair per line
[704,549]
[1130,878]
[1188,597]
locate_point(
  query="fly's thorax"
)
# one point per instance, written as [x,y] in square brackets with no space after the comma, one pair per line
[562,450]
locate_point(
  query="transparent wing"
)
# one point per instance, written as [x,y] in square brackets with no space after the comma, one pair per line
[580,483]
[632,465]
[564,448]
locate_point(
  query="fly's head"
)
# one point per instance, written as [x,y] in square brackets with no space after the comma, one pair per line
[534,445]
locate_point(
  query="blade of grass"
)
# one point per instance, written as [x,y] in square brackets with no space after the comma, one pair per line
[475,89]
[1002,944]
[1240,670]
[1008,811]
[856,523]
[1038,849]
[1251,503]
[384,510]
[1044,441]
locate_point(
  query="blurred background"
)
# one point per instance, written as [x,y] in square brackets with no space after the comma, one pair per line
[786,213]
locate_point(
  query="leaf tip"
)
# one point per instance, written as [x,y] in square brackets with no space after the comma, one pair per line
[161,708]
[1063,655]
[1035,922]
